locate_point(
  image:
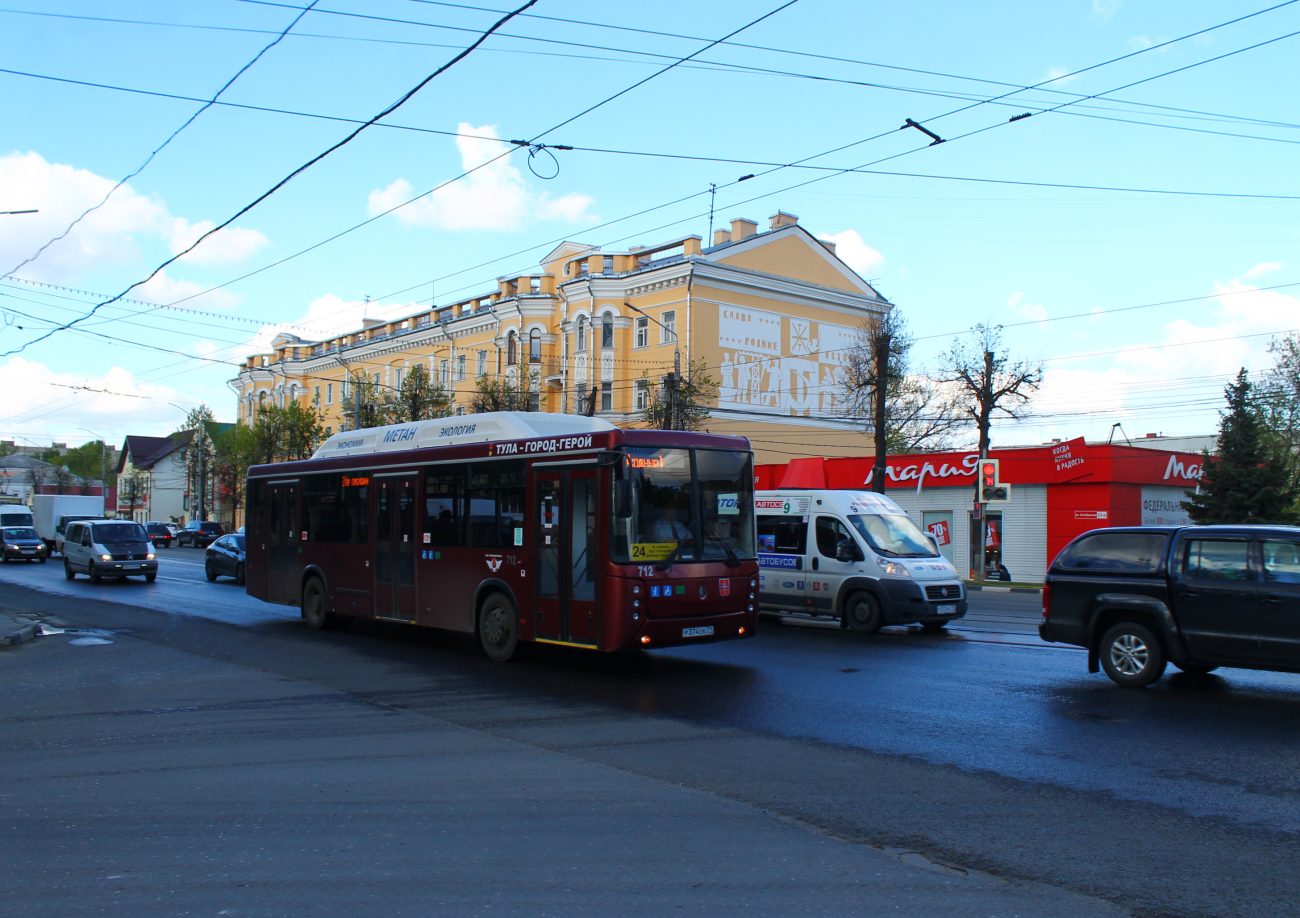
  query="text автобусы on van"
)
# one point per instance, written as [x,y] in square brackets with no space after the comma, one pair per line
[853,555]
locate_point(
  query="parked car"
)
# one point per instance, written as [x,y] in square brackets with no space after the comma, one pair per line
[225,558]
[1199,597]
[160,534]
[199,533]
[21,543]
[108,548]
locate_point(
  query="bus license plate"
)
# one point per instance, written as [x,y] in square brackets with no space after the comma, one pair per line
[701,631]
[946,610]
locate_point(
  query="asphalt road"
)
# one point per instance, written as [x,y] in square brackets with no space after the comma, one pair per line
[982,756]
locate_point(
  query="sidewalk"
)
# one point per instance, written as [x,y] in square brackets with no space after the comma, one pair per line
[17,627]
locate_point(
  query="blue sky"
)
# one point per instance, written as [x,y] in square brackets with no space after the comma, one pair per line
[1137,235]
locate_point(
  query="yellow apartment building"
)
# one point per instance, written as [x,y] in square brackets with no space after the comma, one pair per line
[770,313]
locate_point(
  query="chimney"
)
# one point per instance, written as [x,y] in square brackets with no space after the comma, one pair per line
[742,229]
[780,219]
[721,236]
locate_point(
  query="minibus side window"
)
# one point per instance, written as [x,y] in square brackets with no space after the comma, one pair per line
[781,534]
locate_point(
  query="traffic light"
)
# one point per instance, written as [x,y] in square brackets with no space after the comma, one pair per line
[991,489]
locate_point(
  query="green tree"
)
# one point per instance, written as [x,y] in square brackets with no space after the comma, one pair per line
[499,394]
[233,452]
[365,404]
[89,461]
[285,434]
[1247,480]
[198,458]
[682,404]
[419,398]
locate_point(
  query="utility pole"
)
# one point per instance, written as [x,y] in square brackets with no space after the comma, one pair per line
[880,345]
[981,508]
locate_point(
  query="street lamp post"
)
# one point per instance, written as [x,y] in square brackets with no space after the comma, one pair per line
[677,365]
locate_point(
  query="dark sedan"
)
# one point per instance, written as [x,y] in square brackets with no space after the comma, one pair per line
[21,543]
[225,558]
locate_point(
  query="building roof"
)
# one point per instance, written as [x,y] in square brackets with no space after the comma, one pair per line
[146,452]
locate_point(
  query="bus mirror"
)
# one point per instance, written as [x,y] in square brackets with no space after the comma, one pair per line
[622,498]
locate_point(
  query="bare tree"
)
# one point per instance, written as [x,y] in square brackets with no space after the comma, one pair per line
[132,491]
[500,394]
[989,383]
[63,479]
[365,404]
[682,403]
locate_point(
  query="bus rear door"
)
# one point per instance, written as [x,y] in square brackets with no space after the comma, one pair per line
[394,547]
[565,503]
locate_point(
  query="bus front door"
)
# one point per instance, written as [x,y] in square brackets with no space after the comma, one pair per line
[565,507]
[282,543]
[394,560]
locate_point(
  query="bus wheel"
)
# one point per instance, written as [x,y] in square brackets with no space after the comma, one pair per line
[313,606]
[498,629]
[862,612]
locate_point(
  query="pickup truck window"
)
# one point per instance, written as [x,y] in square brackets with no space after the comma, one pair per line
[1121,552]
[1218,560]
[1281,562]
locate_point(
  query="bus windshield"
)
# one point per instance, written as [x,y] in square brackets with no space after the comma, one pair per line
[893,535]
[686,505]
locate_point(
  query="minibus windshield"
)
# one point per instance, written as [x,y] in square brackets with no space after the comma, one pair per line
[893,535]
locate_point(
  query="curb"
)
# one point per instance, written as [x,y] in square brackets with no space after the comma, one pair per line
[979,588]
[22,635]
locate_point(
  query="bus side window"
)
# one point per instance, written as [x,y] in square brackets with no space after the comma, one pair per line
[782,534]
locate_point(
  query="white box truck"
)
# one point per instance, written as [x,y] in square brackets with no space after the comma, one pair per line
[853,555]
[53,512]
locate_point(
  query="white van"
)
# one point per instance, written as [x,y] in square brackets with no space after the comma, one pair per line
[852,555]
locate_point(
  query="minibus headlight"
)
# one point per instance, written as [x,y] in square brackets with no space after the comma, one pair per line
[105,557]
[895,569]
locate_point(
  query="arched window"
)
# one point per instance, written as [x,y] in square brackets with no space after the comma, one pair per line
[535,346]
[607,330]
[582,333]
[512,350]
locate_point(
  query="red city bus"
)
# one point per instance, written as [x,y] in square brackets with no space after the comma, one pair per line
[515,526]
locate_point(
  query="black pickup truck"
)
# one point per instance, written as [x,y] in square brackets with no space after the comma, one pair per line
[1199,597]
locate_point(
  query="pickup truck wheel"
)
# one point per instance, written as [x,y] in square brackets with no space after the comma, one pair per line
[1132,655]
[1196,669]
[862,613]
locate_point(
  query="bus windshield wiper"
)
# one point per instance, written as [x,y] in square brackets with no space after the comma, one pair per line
[672,556]
[733,559]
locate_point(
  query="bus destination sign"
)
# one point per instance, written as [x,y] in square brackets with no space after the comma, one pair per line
[536,447]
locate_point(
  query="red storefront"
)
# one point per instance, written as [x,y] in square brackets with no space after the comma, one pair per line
[1057,491]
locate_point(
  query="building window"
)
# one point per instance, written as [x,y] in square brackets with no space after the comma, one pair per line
[606,331]
[444,372]
[642,394]
[397,378]
[482,363]
[460,367]
[535,346]
[512,350]
[582,333]
[642,332]
[608,265]
[669,333]
[607,396]
[376,380]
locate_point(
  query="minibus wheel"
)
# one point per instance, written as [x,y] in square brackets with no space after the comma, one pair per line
[862,612]
[498,628]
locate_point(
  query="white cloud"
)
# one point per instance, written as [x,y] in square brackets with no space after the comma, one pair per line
[495,196]
[112,235]
[330,315]
[111,404]
[164,289]
[1105,10]
[853,250]
[1029,312]
[233,244]
[1264,267]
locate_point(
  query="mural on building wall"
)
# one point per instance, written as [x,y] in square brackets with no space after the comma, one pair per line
[780,363]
